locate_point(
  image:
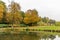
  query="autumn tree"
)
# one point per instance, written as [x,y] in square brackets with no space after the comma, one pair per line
[22,15]
[31,17]
[27,17]
[8,18]
[34,16]
[16,14]
[2,11]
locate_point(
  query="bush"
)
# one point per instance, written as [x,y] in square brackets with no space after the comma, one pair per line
[3,25]
[23,25]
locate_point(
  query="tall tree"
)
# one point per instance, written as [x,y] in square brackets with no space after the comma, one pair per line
[27,17]
[14,7]
[2,10]
[15,10]
[31,17]
[8,18]
[34,16]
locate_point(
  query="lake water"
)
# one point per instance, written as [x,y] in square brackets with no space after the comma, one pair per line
[30,36]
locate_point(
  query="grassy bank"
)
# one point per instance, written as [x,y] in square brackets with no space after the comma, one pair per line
[34,28]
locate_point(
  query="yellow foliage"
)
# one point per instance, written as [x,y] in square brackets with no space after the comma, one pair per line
[2,8]
[14,17]
[27,14]
[1,16]
[9,17]
[26,20]
[31,17]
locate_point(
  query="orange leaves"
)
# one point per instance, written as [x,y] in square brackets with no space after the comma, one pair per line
[26,20]
[27,14]
[1,8]
[14,17]
[8,17]
[31,17]
[17,17]
[1,16]
[34,19]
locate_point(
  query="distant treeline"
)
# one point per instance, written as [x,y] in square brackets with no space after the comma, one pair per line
[14,15]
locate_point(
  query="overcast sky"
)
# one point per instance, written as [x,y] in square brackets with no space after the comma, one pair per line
[48,8]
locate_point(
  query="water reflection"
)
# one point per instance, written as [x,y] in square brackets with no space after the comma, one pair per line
[28,36]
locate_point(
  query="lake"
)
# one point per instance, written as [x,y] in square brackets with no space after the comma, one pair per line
[30,36]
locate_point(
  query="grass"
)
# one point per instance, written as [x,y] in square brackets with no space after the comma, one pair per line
[46,27]
[35,28]
[3,25]
[30,28]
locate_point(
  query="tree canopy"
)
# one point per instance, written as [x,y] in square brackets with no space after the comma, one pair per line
[16,16]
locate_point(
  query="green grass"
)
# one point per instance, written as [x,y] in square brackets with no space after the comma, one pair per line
[46,27]
[50,28]
[32,27]
[3,25]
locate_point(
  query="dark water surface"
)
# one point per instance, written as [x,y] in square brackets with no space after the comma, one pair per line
[30,36]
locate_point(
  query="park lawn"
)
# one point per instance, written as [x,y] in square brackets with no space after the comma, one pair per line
[50,28]
[36,27]
[46,27]
[32,27]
